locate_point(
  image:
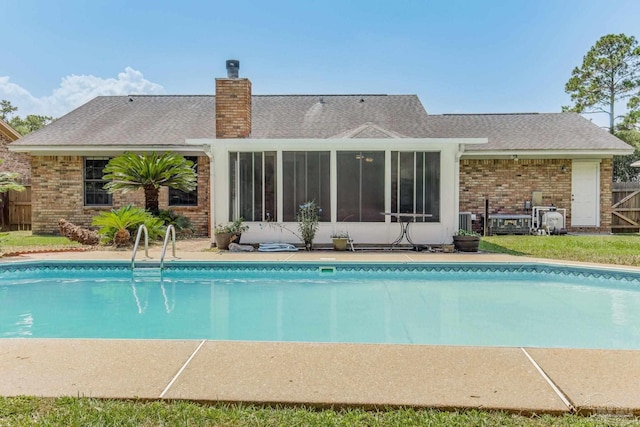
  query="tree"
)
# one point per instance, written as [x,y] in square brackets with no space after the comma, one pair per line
[6,109]
[29,124]
[610,72]
[131,171]
[622,170]
[632,119]
[8,182]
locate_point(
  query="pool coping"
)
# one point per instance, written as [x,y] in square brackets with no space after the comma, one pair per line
[520,380]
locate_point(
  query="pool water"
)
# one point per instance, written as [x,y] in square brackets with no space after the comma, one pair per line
[474,304]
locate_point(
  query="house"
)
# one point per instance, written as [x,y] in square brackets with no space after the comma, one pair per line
[358,156]
[11,161]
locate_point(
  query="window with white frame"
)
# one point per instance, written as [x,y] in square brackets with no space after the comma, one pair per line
[415,184]
[94,193]
[252,182]
[306,177]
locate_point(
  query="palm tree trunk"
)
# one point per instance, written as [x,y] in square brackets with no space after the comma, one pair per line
[151,195]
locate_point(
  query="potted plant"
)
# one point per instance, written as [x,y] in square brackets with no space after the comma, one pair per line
[340,240]
[224,234]
[308,217]
[466,241]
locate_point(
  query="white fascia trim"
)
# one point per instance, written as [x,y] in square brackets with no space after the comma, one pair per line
[304,144]
[93,150]
[545,154]
[10,132]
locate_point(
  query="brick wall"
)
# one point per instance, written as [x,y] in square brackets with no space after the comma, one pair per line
[14,162]
[606,195]
[509,183]
[233,108]
[58,192]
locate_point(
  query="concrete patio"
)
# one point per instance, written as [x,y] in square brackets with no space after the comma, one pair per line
[522,380]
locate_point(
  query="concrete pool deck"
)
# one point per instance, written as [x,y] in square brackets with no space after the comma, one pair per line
[523,380]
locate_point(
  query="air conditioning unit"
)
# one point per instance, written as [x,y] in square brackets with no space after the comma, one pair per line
[464,219]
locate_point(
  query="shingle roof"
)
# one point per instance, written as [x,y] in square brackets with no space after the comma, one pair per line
[327,116]
[169,120]
[530,131]
[131,120]
[140,120]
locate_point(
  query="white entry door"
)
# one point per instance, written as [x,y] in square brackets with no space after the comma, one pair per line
[585,194]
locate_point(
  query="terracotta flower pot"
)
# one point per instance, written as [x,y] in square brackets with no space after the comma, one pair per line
[224,239]
[339,243]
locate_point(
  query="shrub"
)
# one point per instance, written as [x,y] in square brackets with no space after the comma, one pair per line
[308,223]
[463,232]
[119,226]
[236,227]
[181,223]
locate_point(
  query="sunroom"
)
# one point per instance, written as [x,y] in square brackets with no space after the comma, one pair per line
[358,185]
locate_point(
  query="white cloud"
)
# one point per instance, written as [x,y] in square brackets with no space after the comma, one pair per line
[75,91]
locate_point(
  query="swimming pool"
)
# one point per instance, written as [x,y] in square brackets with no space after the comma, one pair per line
[474,304]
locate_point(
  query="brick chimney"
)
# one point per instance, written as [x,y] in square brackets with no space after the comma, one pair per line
[233,104]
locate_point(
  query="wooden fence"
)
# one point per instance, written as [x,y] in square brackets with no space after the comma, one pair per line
[17,212]
[625,210]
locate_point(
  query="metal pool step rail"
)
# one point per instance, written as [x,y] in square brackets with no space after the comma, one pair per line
[135,246]
[171,231]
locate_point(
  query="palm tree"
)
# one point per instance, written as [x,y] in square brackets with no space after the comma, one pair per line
[132,171]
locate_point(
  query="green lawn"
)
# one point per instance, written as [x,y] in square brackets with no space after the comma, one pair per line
[16,241]
[607,249]
[30,411]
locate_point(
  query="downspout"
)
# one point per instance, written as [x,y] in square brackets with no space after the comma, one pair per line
[212,198]
[208,150]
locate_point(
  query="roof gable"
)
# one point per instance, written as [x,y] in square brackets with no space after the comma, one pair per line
[8,132]
[369,130]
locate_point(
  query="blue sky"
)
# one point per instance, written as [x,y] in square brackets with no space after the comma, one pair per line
[457,56]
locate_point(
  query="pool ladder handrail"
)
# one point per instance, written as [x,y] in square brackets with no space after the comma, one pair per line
[170,230]
[135,246]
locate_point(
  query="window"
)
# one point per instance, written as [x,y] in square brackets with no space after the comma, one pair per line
[252,186]
[306,177]
[415,184]
[360,186]
[182,198]
[94,194]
